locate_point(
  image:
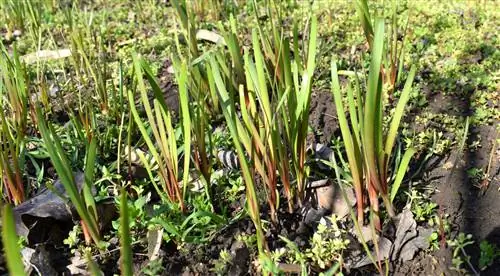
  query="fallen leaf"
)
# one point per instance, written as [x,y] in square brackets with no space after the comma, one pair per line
[155,237]
[384,251]
[44,55]
[406,229]
[210,36]
[46,204]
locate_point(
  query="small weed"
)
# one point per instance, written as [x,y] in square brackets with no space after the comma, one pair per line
[327,245]
[73,237]
[476,176]
[154,267]
[250,241]
[489,253]
[221,264]
[460,256]
[424,210]
[434,241]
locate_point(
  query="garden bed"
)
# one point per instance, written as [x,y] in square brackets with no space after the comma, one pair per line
[174,139]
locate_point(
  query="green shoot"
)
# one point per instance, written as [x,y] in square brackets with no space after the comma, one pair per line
[368,146]
[84,205]
[235,127]
[13,122]
[164,146]
[10,243]
[392,66]
[125,239]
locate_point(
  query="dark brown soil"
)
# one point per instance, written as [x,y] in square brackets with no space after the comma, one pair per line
[322,117]
[194,259]
[169,87]
[473,210]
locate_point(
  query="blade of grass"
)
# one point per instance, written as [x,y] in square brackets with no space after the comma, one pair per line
[126,260]
[403,165]
[10,243]
[186,125]
[229,112]
[89,176]
[398,114]
[64,171]
[364,16]
[353,151]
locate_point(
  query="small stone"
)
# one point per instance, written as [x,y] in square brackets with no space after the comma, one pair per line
[313,215]
[170,69]
[54,90]
[406,230]
[302,229]
[325,195]
[240,258]
[210,36]
[299,241]
[340,207]
[331,198]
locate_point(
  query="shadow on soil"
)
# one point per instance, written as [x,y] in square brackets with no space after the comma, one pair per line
[472,209]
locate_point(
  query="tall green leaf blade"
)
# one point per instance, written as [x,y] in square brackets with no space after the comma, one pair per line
[353,113]
[235,50]
[364,16]
[160,123]
[312,48]
[399,112]
[63,169]
[89,177]
[139,73]
[372,105]
[10,243]
[296,50]
[353,155]
[304,96]
[405,161]
[186,123]
[157,91]
[126,260]
[141,126]
[229,112]
[261,88]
